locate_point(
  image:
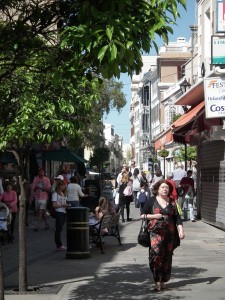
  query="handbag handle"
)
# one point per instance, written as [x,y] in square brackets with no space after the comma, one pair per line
[145,218]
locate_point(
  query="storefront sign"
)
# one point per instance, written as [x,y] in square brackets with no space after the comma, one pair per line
[214,88]
[220,16]
[218,50]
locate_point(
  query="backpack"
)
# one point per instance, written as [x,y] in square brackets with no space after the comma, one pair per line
[142,197]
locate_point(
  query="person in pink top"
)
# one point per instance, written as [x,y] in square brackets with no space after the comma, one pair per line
[9,197]
[40,190]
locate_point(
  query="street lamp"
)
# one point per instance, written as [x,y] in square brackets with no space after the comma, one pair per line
[184,86]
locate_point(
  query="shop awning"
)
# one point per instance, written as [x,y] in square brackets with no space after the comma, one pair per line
[189,116]
[193,96]
[164,139]
[180,127]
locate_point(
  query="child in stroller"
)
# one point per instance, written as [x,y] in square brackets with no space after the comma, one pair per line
[5,220]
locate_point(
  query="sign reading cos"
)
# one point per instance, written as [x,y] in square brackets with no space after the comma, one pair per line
[214,88]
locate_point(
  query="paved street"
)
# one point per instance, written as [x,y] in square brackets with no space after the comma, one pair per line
[122,272]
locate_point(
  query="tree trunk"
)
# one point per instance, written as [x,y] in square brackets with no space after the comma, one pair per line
[22,232]
[22,240]
[2,296]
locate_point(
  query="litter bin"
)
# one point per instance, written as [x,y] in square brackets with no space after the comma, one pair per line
[77,232]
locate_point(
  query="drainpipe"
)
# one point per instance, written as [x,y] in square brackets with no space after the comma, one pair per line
[185,156]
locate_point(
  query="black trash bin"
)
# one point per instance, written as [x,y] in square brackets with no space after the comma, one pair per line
[77,232]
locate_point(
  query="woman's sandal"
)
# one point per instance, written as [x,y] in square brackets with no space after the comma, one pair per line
[157,287]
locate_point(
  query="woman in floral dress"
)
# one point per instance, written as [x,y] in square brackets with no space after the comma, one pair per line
[165,226]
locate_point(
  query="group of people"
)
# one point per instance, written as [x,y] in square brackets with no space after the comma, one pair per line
[129,185]
[60,194]
[182,178]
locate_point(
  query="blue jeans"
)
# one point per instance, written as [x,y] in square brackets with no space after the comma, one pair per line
[73,203]
[60,218]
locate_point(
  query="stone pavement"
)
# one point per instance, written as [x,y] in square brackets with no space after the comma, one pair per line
[122,272]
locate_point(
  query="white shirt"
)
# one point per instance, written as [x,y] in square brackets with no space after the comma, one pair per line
[74,191]
[179,173]
[60,200]
[119,179]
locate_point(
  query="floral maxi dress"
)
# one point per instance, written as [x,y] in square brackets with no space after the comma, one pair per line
[162,235]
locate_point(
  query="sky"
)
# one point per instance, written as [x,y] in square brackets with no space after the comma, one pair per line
[121,120]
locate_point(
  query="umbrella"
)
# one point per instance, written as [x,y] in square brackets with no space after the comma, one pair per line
[63,154]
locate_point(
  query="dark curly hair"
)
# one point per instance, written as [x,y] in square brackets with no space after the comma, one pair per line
[157,185]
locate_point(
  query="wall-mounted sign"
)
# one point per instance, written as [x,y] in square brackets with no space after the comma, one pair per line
[214,88]
[218,50]
[220,16]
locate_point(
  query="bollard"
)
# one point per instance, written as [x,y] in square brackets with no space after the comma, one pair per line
[77,232]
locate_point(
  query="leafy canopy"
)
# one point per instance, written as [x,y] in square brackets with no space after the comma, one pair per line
[54,55]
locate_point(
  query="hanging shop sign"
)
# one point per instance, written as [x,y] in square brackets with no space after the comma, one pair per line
[218,50]
[214,89]
[220,16]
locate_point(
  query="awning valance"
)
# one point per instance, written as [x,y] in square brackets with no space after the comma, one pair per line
[163,139]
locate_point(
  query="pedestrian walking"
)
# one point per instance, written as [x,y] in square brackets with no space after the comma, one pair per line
[165,227]
[136,180]
[178,174]
[188,198]
[40,190]
[125,198]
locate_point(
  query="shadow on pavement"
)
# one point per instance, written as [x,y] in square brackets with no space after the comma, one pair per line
[133,282]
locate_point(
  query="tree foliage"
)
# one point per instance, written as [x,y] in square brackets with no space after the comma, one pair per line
[101,36]
[99,157]
[179,154]
[54,54]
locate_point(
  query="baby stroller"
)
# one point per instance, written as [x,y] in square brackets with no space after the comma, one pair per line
[5,220]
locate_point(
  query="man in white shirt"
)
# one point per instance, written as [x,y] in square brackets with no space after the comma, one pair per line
[178,174]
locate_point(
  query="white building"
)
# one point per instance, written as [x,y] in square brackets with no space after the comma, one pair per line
[115,144]
[151,109]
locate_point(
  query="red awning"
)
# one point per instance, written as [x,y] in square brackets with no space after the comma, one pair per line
[164,139]
[183,121]
[189,116]
[193,96]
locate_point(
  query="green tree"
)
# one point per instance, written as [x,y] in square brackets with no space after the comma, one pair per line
[179,154]
[110,96]
[99,157]
[106,37]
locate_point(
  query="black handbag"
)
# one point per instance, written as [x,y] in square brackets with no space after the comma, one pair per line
[144,235]
[181,191]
